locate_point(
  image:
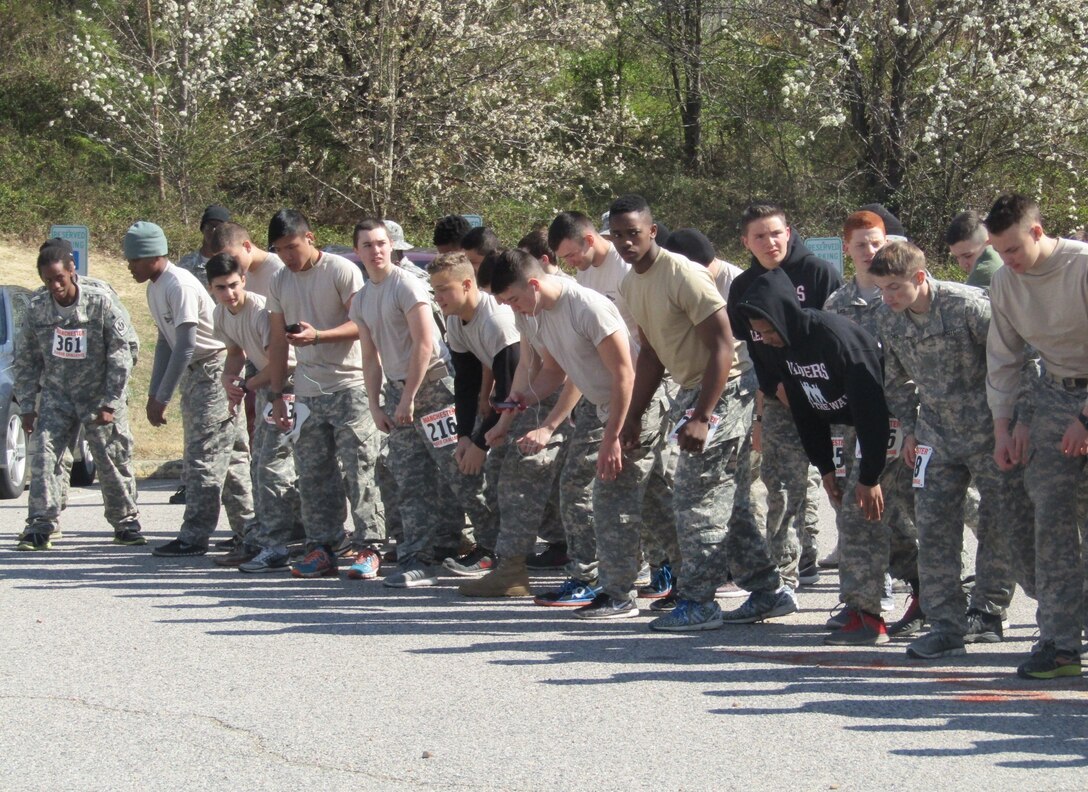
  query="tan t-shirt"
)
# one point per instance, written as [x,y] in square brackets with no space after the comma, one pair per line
[175,298]
[1046,308]
[668,301]
[259,280]
[248,329]
[382,309]
[491,330]
[318,296]
[571,331]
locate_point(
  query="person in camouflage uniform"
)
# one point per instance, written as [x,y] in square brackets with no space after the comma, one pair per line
[72,368]
[935,374]
[242,323]
[402,347]
[572,333]
[685,331]
[1040,299]
[896,545]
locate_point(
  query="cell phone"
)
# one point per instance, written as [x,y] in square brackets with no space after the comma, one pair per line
[506,405]
[293,328]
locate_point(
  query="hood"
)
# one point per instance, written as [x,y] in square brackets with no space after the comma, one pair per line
[772,296]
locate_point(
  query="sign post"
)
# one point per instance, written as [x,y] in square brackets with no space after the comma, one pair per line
[827,248]
[80,238]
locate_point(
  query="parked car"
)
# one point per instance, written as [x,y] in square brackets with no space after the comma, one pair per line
[14,462]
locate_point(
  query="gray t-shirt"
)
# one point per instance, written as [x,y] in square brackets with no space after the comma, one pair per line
[176,298]
[382,309]
[571,331]
[605,279]
[318,296]
[259,279]
[491,330]
[249,330]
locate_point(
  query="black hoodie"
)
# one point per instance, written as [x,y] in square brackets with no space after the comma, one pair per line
[814,280]
[833,372]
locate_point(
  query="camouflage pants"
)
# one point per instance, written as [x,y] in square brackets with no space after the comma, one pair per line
[658,524]
[792,494]
[1055,483]
[425,473]
[335,455]
[939,514]
[618,505]
[238,498]
[452,529]
[275,482]
[715,528]
[867,548]
[111,448]
[528,484]
[213,438]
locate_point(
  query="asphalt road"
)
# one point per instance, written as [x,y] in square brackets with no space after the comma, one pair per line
[121,671]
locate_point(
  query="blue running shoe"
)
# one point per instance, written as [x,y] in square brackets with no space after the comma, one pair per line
[689,616]
[317,563]
[572,594]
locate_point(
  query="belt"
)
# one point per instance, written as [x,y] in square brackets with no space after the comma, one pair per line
[1069,383]
[434,375]
[194,364]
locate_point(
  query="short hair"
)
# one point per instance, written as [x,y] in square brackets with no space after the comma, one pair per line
[368,224]
[760,211]
[691,243]
[1010,210]
[483,274]
[286,223]
[55,250]
[626,204]
[481,240]
[861,221]
[450,229]
[965,227]
[538,243]
[229,234]
[513,266]
[898,260]
[455,264]
[222,264]
[567,225]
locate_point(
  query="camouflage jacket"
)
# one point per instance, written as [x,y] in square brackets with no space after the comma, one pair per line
[131,337]
[946,359]
[85,358]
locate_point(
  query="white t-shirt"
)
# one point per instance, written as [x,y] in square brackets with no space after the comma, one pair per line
[571,331]
[318,296]
[491,330]
[724,279]
[248,329]
[605,280]
[258,280]
[382,308]
[175,298]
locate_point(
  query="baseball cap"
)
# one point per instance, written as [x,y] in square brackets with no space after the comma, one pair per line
[396,235]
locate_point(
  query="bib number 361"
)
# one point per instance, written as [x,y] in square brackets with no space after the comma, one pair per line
[441,427]
[70,344]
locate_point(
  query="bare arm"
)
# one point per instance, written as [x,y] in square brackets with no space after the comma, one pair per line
[419,326]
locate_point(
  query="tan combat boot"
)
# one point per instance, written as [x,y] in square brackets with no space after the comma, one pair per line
[509,579]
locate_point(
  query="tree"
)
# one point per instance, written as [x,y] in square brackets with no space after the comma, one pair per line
[939,101]
[176,88]
[436,104]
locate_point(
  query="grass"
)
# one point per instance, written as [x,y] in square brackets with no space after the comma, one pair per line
[17,267]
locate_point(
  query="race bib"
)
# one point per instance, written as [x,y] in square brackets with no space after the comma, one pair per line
[712,427]
[895,441]
[921,461]
[70,344]
[441,427]
[838,455]
[288,402]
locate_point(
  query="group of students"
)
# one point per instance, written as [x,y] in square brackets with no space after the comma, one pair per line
[494,399]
